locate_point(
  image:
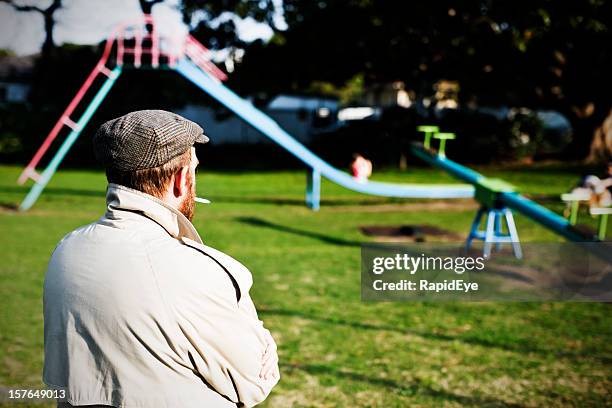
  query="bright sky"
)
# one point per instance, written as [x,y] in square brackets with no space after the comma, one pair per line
[90,21]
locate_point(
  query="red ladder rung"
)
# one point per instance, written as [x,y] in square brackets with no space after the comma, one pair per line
[70,123]
[134,50]
[34,175]
[28,173]
[106,71]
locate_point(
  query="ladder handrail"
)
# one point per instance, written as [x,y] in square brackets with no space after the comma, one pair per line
[199,54]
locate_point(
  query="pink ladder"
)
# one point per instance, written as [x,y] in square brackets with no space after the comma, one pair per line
[139,31]
[65,120]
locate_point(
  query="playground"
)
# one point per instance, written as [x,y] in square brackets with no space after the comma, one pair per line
[138,45]
[336,350]
[301,232]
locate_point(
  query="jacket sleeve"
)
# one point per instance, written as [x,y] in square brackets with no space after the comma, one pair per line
[226,342]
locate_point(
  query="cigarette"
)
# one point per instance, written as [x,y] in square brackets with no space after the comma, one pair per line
[202,200]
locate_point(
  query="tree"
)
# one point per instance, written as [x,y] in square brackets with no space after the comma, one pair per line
[48,18]
[147,5]
[211,21]
[539,54]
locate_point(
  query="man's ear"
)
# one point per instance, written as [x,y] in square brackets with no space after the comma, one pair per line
[179,184]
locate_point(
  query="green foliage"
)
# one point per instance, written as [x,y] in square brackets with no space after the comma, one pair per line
[485,139]
[15,131]
[350,92]
[6,53]
[537,54]
[525,135]
[209,22]
[10,125]
[479,43]
[9,143]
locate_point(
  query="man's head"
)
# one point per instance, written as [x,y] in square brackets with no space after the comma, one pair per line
[152,151]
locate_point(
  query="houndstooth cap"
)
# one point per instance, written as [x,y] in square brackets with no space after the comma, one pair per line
[145,139]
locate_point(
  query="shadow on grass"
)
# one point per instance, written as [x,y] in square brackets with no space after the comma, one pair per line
[545,198]
[258,222]
[257,200]
[55,191]
[300,201]
[405,389]
[217,198]
[515,347]
[10,207]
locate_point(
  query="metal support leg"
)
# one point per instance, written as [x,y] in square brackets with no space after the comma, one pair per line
[493,231]
[474,233]
[498,229]
[313,189]
[512,232]
[427,142]
[574,206]
[603,226]
[489,234]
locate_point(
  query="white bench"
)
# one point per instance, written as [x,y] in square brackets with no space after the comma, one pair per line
[603,213]
[574,200]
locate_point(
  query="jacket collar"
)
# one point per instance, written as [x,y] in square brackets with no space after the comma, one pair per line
[121,198]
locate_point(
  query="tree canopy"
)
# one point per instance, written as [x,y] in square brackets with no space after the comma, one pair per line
[540,53]
[211,23]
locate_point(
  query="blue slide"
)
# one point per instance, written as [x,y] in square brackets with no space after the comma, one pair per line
[262,122]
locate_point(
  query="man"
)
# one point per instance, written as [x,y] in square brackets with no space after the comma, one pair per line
[138,311]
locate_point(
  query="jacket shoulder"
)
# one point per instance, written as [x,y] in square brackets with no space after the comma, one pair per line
[229,268]
[72,236]
[240,272]
[184,272]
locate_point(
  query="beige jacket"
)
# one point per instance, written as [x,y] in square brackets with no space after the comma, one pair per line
[139,313]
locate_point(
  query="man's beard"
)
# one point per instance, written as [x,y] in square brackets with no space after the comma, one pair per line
[187,207]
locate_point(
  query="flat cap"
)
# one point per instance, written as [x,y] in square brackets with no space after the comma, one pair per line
[145,139]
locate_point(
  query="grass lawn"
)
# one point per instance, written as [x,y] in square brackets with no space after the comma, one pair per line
[336,351]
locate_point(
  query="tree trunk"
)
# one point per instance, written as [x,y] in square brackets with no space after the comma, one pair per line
[601,145]
[147,5]
[48,44]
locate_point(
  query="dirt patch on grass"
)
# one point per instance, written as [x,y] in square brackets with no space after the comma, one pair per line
[434,206]
[8,208]
[409,233]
